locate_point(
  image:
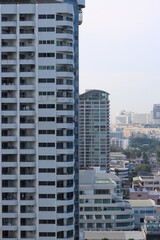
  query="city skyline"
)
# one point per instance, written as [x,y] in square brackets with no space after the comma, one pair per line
[121,54]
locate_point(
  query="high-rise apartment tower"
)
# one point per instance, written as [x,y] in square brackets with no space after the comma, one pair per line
[39,119]
[94,140]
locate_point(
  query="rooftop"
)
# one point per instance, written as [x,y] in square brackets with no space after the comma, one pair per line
[116,235]
[132,190]
[142,203]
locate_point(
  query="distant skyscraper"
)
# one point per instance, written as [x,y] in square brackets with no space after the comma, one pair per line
[94,127]
[156,113]
[39,119]
[123,118]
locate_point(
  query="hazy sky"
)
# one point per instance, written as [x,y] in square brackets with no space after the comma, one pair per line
[120,52]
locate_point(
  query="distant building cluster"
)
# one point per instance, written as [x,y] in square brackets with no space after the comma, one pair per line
[125,117]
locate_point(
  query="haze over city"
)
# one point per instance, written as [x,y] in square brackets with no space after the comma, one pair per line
[120,53]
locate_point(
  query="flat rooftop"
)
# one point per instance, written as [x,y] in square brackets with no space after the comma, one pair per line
[142,203]
[116,235]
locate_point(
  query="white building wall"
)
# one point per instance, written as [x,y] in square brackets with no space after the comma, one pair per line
[37,114]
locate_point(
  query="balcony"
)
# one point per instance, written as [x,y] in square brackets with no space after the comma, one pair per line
[26,176]
[62,58]
[63,45]
[26,202]
[27,125]
[27,151]
[65,138]
[64,71]
[9,49]
[9,163]
[9,61]
[28,227]
[9,138]
[9,199]
[27,87]
[10,215]
[27,32]
[65,215]
[9,176]
[8,72]
[28,139]
[27,110]
[26,99]
[9,32]
[9,100]
[65,177]
[9,126]
[9,227]
[27,23]
[28,71]
[27,36]
[27,48]
[65,164]
[65,97]
[28,214]
[65,228]
[9,189]
[65,151]
[9,151]
[64,30]
[27,189]
[9,36]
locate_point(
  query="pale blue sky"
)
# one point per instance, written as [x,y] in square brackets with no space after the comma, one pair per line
[120,52]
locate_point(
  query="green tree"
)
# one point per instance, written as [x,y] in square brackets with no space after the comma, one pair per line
[142,167]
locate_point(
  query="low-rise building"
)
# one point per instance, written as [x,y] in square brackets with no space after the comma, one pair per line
[113,235]
[101,204]
[120,143]
[142,208]
[150,182]
[152,228]
[120,168]
[144,194]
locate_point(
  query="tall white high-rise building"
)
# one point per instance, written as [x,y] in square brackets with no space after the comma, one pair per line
[39,119]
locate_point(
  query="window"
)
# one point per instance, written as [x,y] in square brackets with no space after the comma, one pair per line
[46,119]
[46,131]
[46,221]
[46,29]
[46,183]
[46,93]
[98,201]
[50,157]
[46,67]
[46,106]
[47,170]
[46,80]
[47,234]
[48,16]
[41,55]
[42,16]
[46,41]
[44,144]
[46,209]
[46,195]
[102,191]
[98,216]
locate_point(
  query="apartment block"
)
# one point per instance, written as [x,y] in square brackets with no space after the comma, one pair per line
[94,129]
[39,119]
[102,207]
